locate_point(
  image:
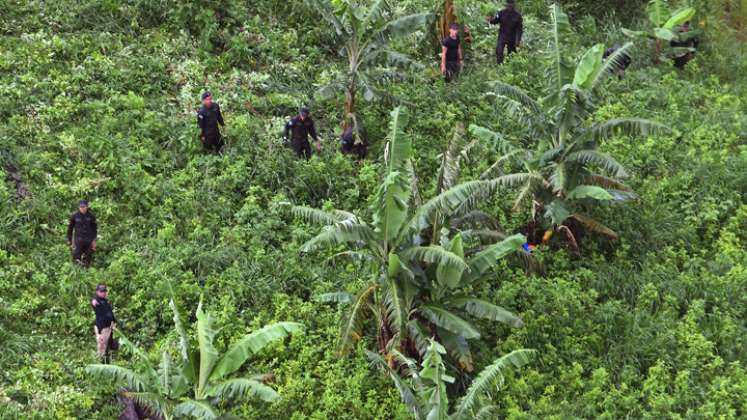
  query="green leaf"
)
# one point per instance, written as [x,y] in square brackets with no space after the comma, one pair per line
[665,34]
[557,212]
[346,232]
[208,352]
[658,12]
[201,409]
[447,320]
[679,17]
[344,298]
[589,67]
[434,254]
[352,324]
[243,388]
[250,344]
[449,275]
[491,378]
[486,310]
[487,258]
[589,191]
[118,374]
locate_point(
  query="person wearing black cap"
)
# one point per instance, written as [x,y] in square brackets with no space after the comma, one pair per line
[354,142]
[299,128]
[208,118]
[105,320]
[511,29]
[83,224]
[451,54]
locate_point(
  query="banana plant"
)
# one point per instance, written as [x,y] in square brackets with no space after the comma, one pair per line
[563,171]
[201,379]
[665,23]
[362,34]
[423,389]
[417,289]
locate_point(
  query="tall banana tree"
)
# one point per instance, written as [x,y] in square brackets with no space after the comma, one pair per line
[201,378]
[564,170]
[363,34]
[416,289]
[423,388]
[665,22]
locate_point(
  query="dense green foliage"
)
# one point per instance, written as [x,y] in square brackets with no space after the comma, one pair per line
[97,100]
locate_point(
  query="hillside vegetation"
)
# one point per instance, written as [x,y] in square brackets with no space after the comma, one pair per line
[642,314]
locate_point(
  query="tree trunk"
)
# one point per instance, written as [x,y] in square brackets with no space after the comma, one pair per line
[446,18]
[349,105]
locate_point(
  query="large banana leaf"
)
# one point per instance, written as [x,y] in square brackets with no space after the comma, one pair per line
[490,379]
[447,320]
[658,12]
[486,310]
[243,388]
[208,352]
[346,232]
[118,374]
[352,323]
[560,27]
[487,258]
[679,17]
[450,275]
[201,409]
[434,254]
[589,191]
[589,67]
[250,344]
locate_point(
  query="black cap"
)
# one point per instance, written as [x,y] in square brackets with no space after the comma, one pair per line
[303,111]
[83,203]
[511,2]
[454,26]
[101,288]
[206,94]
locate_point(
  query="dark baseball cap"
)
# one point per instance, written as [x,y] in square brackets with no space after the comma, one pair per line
[303,111]
[83,203]
[511,2]
[454,26]
[101,288]
[206,94]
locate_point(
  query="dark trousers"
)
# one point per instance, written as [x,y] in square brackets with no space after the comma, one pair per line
[360,150]
[452,70]
[681,62]
[82,252]
[213,143]
[302,148]
[503,43]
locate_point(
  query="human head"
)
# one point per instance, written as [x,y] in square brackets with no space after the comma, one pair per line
[101,290]
[453,30]
[83,206]
[207,98]
[303,112]
[510,4]
[685,27]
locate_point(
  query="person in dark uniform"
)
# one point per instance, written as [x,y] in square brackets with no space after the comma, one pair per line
[105,321]
[625,61]
[208,118]
[83,224]
[511,29]
[451,54]
[299,128]
[354,144]
[685,39]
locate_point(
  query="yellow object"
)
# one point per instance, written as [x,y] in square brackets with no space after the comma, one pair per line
[547,236]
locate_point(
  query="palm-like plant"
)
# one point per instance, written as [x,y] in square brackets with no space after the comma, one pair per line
[200,379]
[363,34]
[417,290]
[424,390]
[664,23]
[564,169]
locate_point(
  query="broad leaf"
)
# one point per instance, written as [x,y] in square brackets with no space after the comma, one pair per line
[243,388]
[679,17]
[589,67]
[450,275]
[445,319]
[589,191]
[487,258]
[208,352]
[486,310]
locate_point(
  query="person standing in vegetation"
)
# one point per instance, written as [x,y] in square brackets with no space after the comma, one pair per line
[511,29]
[452,58]
[625,62]
[299,128]
[354,142]
[208,118]
[684,40]
[105,320]
[83,224]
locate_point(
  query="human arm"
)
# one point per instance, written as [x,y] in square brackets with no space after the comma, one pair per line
[519,31]
[286,130]
[494,20]
[70,227]
[443,59]
[94,226]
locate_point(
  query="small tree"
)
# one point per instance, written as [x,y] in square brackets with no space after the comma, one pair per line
[417,289]
[423,389]
[363,35]
[664,29]
[563,168]
[200,379]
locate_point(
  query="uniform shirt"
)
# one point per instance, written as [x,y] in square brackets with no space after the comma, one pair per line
[104,313]
[84,226]
[452,48]
[208,120]
[512,25]
[300,129]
